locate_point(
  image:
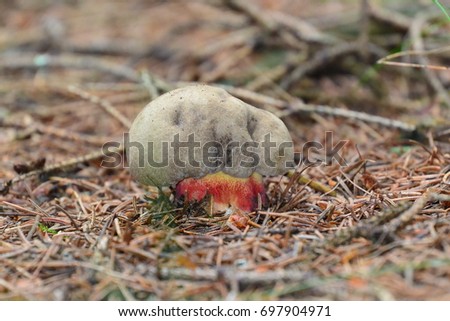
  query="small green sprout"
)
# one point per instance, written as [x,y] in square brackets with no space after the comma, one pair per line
[44,228]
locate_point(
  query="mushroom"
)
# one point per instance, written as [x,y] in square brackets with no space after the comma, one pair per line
[208,144]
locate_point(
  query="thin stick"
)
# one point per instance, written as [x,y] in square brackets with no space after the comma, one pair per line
[68,61]
[106,105]
[75,224]
[413,65]
[292,108]
[386,60]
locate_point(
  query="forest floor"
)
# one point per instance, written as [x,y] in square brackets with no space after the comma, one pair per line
[74,74]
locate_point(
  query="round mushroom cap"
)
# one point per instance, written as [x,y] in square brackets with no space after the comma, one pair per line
[198,130]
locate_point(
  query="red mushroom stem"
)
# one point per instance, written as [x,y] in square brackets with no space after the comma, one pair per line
[225,191]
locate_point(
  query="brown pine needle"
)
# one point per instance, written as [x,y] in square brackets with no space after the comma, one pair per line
[387,60]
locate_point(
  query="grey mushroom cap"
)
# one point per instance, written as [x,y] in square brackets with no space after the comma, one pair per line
[223,134]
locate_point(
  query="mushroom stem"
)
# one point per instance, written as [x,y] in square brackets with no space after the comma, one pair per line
[224,190]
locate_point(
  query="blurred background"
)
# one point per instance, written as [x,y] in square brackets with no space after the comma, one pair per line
[314,52]
[75,73]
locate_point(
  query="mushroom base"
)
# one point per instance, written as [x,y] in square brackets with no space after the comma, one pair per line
[224,191]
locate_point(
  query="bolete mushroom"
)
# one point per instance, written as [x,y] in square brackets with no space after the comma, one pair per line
[207,143]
